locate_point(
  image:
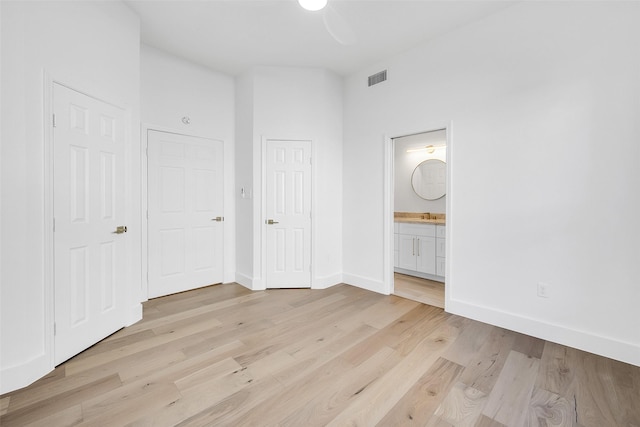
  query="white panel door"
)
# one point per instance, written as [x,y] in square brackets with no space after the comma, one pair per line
[288,214]
[185,221]
[89,256]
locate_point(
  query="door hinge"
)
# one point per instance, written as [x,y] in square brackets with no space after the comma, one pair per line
[54,120]
[54,225]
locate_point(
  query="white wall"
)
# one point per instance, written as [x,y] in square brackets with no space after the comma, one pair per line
[545,184]
[292,103]
[92,47]
[172,88]
[405,198]
[244,180]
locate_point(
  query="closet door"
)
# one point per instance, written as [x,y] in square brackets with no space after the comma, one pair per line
[89,210]
[288,214]
[185,212]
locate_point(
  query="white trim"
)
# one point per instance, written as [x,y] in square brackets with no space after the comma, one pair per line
[244,280]
[366,283]
[144,206]
[387,215]
[450,219]
[19,376]
[325,282]
[249,282]
[48,238]
[619,350]
[312,232]
[133,297]
[263,210]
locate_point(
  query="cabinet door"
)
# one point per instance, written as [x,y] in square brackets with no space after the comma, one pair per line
[407,251]
[426,254]
[440,265]
[441,246]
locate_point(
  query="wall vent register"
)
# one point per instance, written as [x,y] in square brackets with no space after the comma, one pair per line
[378,78]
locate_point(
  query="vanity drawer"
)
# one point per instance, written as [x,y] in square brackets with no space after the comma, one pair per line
[426,230]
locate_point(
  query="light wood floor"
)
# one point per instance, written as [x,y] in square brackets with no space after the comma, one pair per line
[418,289]
[225,356]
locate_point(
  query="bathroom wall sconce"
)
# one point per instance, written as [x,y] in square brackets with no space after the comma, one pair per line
[429,149]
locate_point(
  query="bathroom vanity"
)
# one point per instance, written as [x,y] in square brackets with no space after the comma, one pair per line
[419,245]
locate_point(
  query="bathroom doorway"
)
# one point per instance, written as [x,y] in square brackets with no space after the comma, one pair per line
[419,213]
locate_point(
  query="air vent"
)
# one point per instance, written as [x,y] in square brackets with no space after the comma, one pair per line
[378,78]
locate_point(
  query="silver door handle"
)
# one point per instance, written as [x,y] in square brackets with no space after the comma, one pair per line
[414,246]
[271,222]
[418,247]
[218,218]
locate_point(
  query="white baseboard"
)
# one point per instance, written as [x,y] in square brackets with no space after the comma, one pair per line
[18,376]
[250,282]
[243,280]
[603,346]
[134,314]
[229,277]
[325,282]
[364,283]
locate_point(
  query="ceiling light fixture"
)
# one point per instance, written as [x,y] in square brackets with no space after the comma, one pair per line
[313,5]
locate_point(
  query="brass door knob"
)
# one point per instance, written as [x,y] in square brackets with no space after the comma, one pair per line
[121,229]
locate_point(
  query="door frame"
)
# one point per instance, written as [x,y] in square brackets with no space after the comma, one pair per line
[262,284]
[144,202]
[388,206]
[132,315]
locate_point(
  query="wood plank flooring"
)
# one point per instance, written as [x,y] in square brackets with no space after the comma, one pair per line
[226,356]
[417,289]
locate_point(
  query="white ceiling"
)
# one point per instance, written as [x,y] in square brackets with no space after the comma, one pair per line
[234,35]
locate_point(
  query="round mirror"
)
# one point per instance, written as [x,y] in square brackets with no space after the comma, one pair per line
[429,179]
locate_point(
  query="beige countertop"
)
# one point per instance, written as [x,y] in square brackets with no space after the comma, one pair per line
[420,218]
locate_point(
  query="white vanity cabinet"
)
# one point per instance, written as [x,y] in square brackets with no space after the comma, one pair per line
[417,247]
[420,249]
